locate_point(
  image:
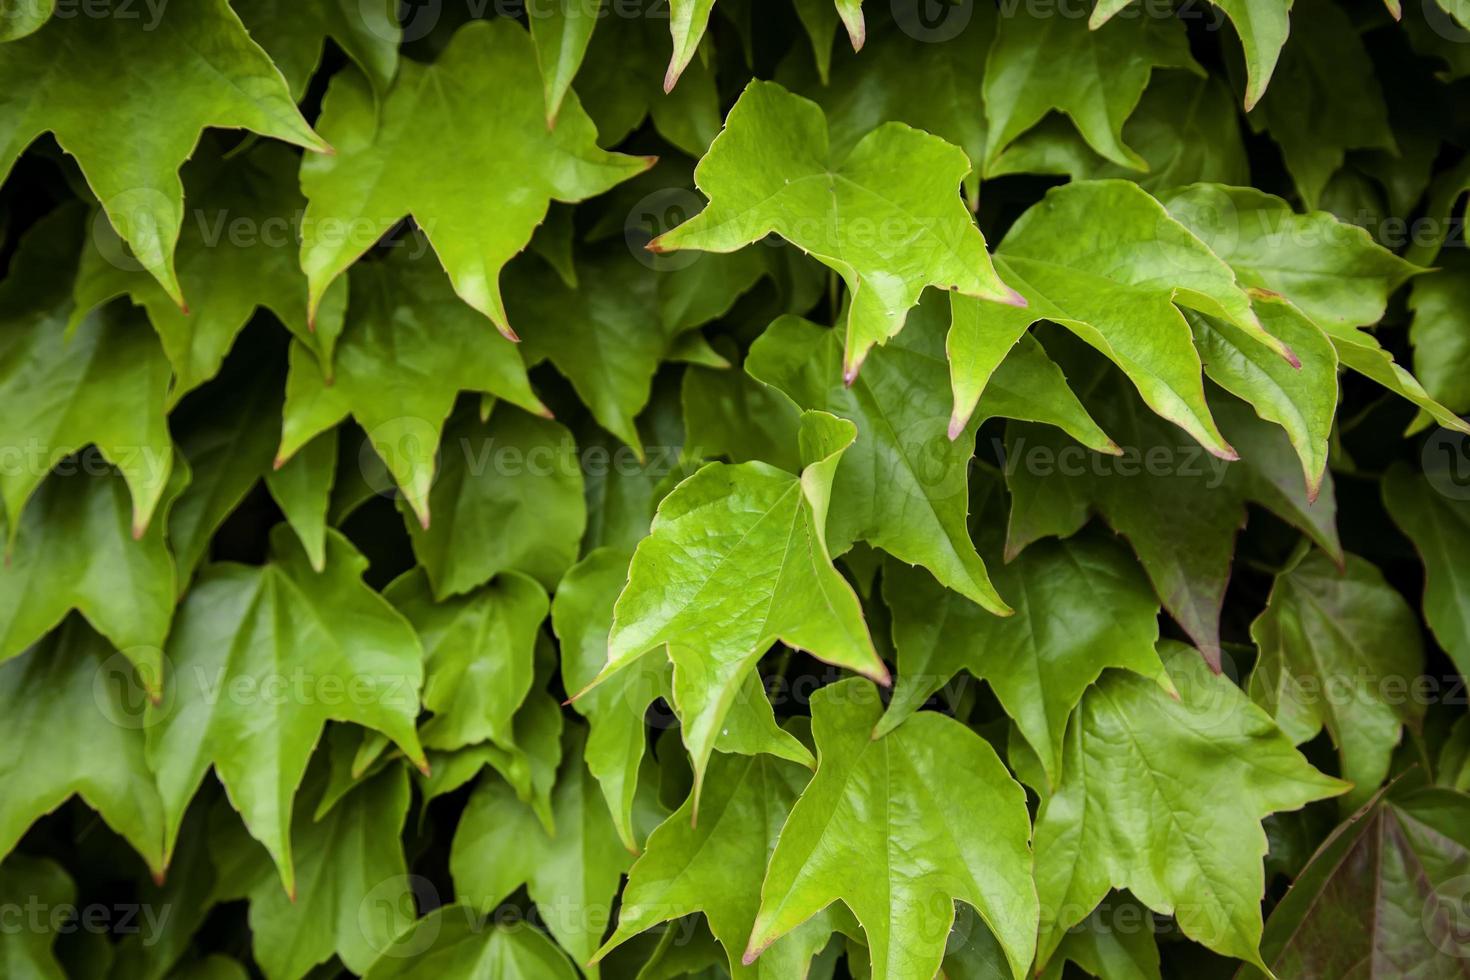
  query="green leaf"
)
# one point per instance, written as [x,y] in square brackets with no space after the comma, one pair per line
[1164,796]
[74,550]
[1396,872]
[1326,101]
[396,162]
[19,19]
[1334,644]
[561,33]
[452,941]
[609,334]
[302,488]
[408,348]
[354,896]
[27,952]
[262,657]
[878,797]
[294,34]
[572,875]
[1095,73]
[237,252]
[1117,290]
[74,715]
[103,385]
[1082,605]
[1115,940]
[1440,333]
[715,866]
[737,560]
[1436,517]
[479,655]
[130,153]
[509,492]
[884,216]
[688,20]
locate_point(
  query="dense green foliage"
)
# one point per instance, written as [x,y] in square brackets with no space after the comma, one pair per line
[767,488]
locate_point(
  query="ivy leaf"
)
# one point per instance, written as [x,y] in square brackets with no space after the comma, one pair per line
[610,332]
[1139,766]
[572,875]
[688,20]
[1440,332]
[407,350]
[1117,290]
[715,866]
[302,488]
[103,385]
[1438,523]
[396,162]
[1395,870]
[451,941]
[354,896]
[1115,940]
[295,35]
[1327,100]
[28,952]
[903,486]
[479,655]
[130,154]
[884,216]
[1082,605]
[236,253]
[263,657]
[876,797]
[1095,73]
[74,550]
[74,713]
[510,492]
[561,33]
[1159,493]
[1333,644]
[1263,26]
[1332,272]
[737,560]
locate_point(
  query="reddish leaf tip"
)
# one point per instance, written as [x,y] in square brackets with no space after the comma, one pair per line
[956,426]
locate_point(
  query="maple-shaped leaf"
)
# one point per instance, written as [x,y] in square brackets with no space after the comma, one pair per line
[262,658]
[1333,641]
[394,161]
[1263,26]
[510,494]
[582,614]
[1093,73]
[129,152]
[27,952]
[1326,101]
[1331,271]
[884,216]
[407,349]
[1139,766]
[302,488]
[1116,288]
[1160,492]
[104,384]
[737,559]
[74,550]
[355,894]
[903,486]
[1082,605]
[609,333]
[571,874]
[294,33]
[453,941]
[479,655]
[237,252]
[74,712]
[716,865]
[1435,515]
[879,797]
[1383,896]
